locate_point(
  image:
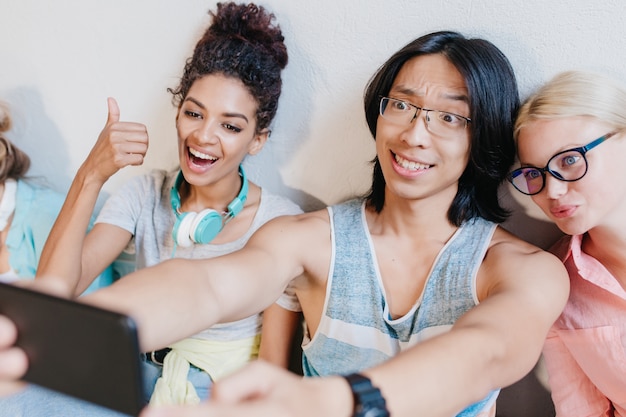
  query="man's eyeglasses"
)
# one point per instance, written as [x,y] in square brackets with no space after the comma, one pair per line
[440,123]
[570,165]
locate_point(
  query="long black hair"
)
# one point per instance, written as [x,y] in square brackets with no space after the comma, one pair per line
[493,102]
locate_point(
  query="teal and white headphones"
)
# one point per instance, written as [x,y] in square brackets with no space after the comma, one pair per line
[191,227]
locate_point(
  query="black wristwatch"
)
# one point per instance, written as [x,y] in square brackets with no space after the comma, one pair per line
[368,401]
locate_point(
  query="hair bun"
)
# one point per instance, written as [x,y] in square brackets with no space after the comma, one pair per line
[250,23]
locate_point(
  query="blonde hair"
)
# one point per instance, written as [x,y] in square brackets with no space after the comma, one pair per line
[13,162]
[574,94]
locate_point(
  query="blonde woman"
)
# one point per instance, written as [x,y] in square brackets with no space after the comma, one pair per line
[571,139]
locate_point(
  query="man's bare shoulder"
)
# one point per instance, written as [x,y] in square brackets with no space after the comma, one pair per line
[288,230]
[531,285]
[303,220]
[511,258]
[300,242]
[504,242]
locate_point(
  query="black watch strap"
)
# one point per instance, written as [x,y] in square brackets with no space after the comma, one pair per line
[368,400]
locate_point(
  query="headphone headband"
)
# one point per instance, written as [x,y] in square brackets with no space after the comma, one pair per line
[191,227]
[234,207]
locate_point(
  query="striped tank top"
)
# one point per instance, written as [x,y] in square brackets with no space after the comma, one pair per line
[356,330]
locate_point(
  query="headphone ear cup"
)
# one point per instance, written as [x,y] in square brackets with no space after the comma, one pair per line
[206,225]
[182,228]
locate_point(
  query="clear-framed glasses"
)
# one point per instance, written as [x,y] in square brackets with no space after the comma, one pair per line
[440,123]
[569,165]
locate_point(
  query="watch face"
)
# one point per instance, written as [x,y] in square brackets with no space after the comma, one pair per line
[375,408]
[375,412]
[368,400]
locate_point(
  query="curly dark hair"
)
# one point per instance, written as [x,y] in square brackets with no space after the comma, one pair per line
[242,43]
[494,101]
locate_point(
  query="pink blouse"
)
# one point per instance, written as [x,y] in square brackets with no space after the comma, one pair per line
[585,352]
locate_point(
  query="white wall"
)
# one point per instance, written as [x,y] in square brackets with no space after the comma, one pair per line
[61,59]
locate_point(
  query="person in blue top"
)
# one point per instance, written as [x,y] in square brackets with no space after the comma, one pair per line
[416,301]
[28,210]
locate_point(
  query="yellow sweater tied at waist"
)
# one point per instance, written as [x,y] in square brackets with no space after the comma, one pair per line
[216,358]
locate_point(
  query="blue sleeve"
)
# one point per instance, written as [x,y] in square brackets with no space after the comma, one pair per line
[35,213]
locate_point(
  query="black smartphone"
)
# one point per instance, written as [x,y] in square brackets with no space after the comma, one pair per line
[77,349]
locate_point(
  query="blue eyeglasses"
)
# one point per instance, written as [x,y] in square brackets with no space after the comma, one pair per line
[570,165]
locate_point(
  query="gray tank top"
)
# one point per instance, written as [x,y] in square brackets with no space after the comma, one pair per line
[356,331]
